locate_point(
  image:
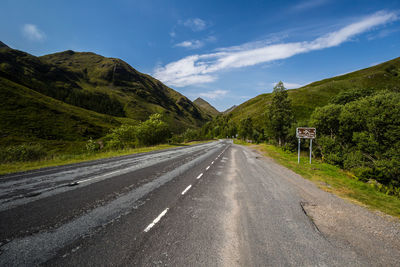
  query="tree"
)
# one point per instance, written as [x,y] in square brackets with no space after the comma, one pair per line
[246,128]
[152,131]
[279,114]
[326,119]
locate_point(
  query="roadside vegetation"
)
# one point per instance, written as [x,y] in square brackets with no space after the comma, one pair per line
[63,159]
[332,179]
[152,134]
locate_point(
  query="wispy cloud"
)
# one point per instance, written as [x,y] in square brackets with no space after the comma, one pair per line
[192,44]
[195,24]
[214,94]
[382,34]
[172,33]
[32,32]
[196,69]
[309,4]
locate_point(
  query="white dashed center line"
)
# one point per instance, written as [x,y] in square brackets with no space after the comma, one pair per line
[156,220]
[186,189]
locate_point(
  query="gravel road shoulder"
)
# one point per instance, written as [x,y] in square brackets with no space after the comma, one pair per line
[371,234]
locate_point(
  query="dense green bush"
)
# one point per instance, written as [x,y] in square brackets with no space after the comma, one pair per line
[121,137]
[190,135]
[176,139]
[246,128]
[362,135]
[153,131]
[25,152]
[92,146]
[150,132]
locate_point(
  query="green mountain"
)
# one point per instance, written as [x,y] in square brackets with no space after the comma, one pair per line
[230,109]
[318,94]
[206,107]
[69,96]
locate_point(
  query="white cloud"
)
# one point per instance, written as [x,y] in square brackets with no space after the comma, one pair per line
[33,33]
[308,4]
[193,44]
[214,94]
[196,69]
[195,24]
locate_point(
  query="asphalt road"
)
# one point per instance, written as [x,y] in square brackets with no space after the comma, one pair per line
[214,204]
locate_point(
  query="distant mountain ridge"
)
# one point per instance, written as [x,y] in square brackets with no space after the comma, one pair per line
[206,107]
[229,109]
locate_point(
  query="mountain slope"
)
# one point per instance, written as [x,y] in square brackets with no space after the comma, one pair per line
[3,45]
[206,107]
[28,116]
[317,94]
[69,97]
[139,94]
[230,109]
[105,85]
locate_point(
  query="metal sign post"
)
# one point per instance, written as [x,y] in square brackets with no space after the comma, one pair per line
[306,133]
[298,154]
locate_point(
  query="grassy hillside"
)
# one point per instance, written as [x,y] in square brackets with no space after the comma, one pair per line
[229,110]
[55,103]
[206,107]
[105,85]
[30,117]
[139,94]
[317,94]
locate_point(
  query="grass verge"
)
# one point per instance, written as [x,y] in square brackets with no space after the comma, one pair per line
[332,179]
[7,168]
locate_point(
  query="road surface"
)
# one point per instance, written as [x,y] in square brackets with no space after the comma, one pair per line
[214,204]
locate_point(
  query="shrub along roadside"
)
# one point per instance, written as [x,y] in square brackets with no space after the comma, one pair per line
[362,136]
[149,135]
[24,152]
[332,179]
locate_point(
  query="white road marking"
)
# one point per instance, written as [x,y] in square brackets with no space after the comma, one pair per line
[198,177]
[186,189]
[156,220]
[207,168]
[212,163]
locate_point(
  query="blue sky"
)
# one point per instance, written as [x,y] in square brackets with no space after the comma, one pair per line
[223,51]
